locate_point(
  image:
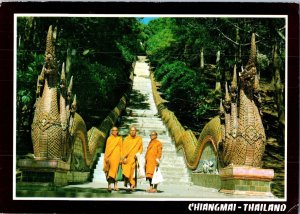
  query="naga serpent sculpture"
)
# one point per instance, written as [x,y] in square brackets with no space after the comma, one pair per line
[57,129]
[237,135]
[244,138]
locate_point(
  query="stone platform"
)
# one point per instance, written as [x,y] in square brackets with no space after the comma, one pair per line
[53,171]
[246,180]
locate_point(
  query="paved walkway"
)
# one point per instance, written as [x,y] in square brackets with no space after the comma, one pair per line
[165,192]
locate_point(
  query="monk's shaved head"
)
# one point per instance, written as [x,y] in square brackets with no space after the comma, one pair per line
[132,131]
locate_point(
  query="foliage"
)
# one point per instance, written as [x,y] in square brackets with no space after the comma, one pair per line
[185,89]
[262,62]
[173,46]
[160,39]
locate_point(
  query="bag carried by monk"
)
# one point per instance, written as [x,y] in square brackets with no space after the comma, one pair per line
[157,176]
[119,176]
[140,167]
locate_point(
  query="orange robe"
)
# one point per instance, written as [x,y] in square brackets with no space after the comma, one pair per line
[131,146]
[154,151]
[113,153]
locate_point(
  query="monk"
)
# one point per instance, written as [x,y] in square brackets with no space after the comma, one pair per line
[112,158]
[152,159]
[132,147]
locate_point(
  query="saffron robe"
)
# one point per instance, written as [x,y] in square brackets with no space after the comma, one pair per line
[113,153]
[131,146]
[154,151]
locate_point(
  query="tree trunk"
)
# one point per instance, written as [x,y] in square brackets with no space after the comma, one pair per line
[218,74]
[19,42]
[279,90]
[68,62]
[202,58]
[238,49]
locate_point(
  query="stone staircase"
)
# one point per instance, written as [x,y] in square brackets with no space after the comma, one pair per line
[143,114]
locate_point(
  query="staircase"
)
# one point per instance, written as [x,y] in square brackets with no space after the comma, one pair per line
[142,113]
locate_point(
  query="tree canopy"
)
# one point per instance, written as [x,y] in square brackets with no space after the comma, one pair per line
[177,48]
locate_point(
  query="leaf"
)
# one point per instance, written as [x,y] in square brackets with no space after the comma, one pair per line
[85,52]
[25,99]
[30,69]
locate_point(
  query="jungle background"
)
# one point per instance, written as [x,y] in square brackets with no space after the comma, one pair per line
[191,58]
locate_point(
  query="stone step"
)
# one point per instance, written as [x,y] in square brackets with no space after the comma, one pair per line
[141,77]
[175,159]
[167,145]
[98,170]
[168,155]
[146,139]
[151,120]
[167,149]
[142,81]
[143,132]
[173,170]
[165,140]
[164,167]
[143,88]
[165,183]
[147,99]
[147,95]
[99,174]
[173,178]
[144,113]
[147,126]
[98,177]
[141,111]
[145,119]
[169,159]
[168,181]
[168,177]
[166,160]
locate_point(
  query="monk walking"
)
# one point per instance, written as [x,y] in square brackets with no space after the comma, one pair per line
[132,147]
[112,157]
[153,156]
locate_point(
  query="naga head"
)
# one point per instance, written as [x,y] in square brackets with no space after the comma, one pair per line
[234,86]
[221,111]
[74,105]
[227,101]
[247,76]
[69,91]
[50,65]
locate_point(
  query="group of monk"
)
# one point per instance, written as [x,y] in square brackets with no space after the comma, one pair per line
[125,153]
